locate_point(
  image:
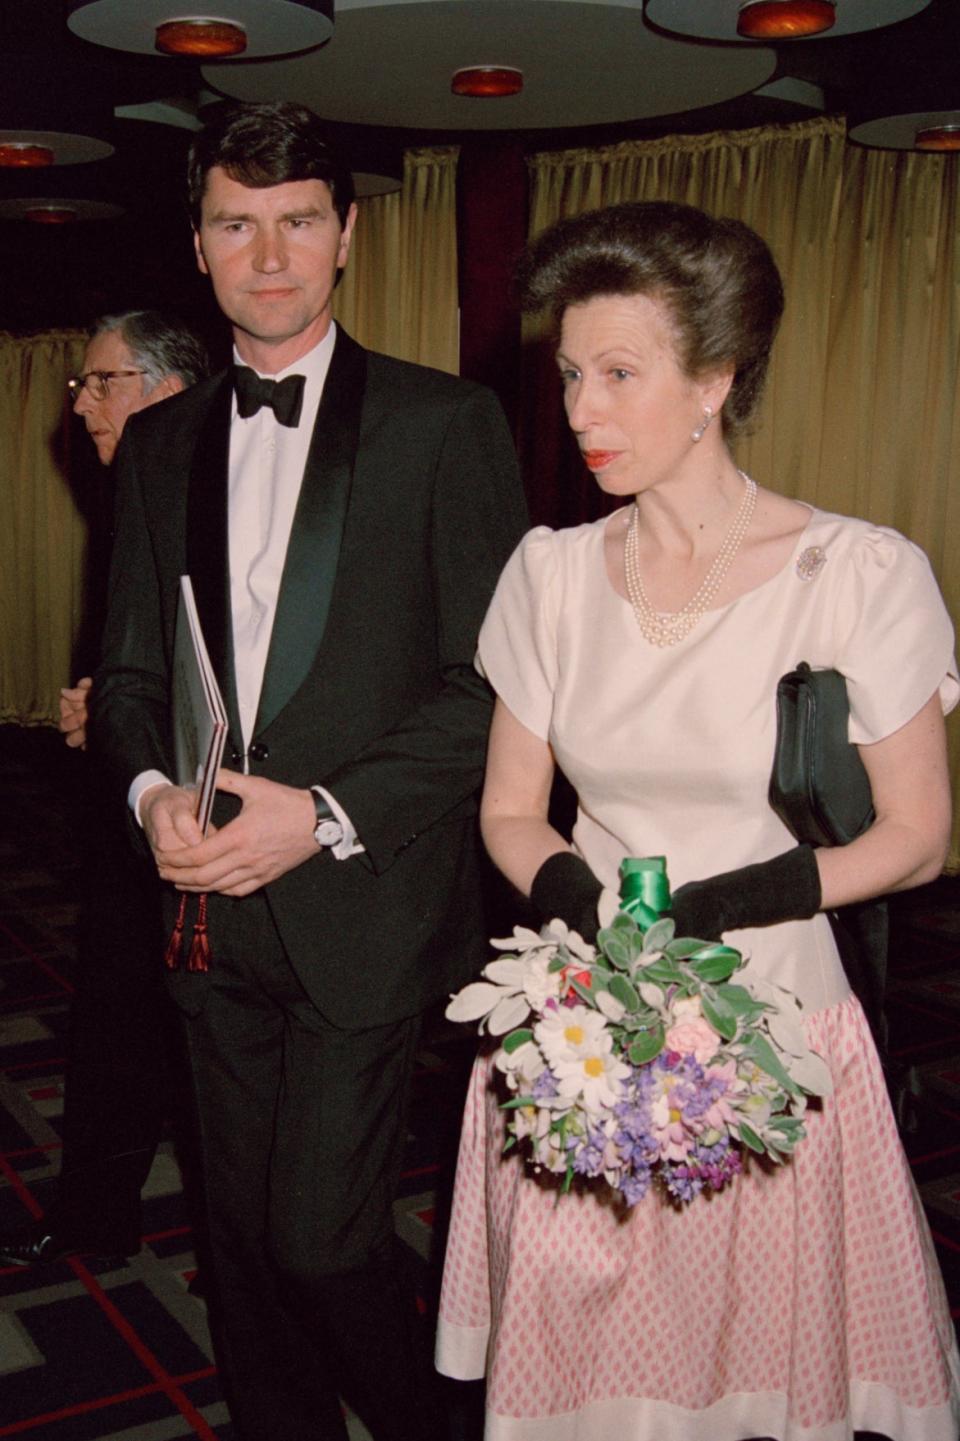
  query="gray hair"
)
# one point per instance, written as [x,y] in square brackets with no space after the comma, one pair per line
[159,344]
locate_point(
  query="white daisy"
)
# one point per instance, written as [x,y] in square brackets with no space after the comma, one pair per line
[567,1033]
[595,1077]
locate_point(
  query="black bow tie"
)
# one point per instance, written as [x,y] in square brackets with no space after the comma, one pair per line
[284,397]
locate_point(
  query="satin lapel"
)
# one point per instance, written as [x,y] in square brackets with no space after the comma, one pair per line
[310,568]
[207,547]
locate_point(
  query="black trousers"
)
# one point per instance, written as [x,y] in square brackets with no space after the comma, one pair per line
[119,1082]
[301,1135]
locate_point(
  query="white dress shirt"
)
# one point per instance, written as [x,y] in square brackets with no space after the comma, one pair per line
[266,466]
[267,462]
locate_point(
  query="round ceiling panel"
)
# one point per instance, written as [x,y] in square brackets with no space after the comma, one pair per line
[579,67]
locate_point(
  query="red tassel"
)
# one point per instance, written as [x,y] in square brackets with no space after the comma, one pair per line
[200,953]
[171,956]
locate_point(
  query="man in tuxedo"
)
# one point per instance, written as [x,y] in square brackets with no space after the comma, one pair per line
[344,533]
[117,1091]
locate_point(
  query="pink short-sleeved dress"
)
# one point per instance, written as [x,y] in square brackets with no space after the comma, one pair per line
[801,1303]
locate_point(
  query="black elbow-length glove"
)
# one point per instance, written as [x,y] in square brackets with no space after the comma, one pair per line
[786,888]
[566,887]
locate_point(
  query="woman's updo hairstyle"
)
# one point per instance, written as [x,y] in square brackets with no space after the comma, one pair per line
[716,277]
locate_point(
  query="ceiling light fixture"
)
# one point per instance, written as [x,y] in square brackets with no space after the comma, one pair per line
[487,82]
[56,209]
[207,39]
[50,214]
[943,139]
[921,113]
[785,19]
[22,154]
[752,20]
[251,28]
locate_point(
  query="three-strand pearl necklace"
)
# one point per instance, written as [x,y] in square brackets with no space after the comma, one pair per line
[664,630]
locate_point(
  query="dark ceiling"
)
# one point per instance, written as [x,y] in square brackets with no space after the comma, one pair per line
[63,275]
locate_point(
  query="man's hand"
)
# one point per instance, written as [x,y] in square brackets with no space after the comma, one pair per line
[74,713]
[272,834]
[167,814]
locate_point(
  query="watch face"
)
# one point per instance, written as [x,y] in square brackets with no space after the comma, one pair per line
[328,833]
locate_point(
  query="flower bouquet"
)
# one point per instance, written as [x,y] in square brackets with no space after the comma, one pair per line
[641,1060]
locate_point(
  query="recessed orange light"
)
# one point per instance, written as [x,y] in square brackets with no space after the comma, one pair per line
[50,214]
[944,138]
[487,82]
[196,35]
[785,19]
[20,153]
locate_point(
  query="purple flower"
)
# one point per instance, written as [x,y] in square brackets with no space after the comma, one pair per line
[545,1086]
[587,1154]
[634,1185]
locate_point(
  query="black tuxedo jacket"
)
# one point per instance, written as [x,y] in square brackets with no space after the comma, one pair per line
[409,507]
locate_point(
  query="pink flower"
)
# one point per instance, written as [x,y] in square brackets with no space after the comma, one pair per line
[695,1038]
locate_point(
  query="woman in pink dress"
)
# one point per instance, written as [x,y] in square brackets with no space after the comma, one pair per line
[641,655]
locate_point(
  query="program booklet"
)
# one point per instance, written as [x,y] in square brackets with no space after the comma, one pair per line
[199,715]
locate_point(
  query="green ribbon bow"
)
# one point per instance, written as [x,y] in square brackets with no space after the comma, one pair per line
[644,889]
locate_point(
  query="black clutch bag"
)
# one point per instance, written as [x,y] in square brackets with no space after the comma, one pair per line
[819,787]
[821,792]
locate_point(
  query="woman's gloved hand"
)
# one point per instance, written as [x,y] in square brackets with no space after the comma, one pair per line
[565,886]
[786,888]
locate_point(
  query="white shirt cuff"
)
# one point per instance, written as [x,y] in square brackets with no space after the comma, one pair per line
[142,783]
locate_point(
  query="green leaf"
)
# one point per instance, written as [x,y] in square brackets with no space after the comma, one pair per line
[516,1039]
[681,950]
[647,1046]
[718,965]
[789,1125]
[759,1050]
[750,1138]
[625,992]
[662,971]
[659,935]
[510,1141]
[740,1001]
[557,963]
[643,1020]
[719,1014]
[617,949]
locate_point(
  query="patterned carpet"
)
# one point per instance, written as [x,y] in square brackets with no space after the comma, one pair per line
[93,1351]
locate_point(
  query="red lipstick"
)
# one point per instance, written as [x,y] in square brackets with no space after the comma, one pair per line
[599,459]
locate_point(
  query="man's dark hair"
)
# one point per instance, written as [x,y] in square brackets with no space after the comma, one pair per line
[159,344]
[266,144]
[716,278]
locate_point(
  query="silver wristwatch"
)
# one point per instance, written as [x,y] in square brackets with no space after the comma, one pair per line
[328,831]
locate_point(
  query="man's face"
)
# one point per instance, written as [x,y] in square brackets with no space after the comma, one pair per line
[273,256]
[106,418]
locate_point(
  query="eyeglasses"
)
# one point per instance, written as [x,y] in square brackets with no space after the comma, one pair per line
[96,381]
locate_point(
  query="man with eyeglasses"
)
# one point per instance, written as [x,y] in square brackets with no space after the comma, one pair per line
[116,1100]
[132,361]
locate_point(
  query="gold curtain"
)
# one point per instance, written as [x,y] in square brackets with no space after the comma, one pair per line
[399,291]
[43,538]
[862,411]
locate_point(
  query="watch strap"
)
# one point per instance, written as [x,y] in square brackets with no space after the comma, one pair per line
[328,830]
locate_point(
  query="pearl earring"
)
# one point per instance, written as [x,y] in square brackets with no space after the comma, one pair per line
[701,430]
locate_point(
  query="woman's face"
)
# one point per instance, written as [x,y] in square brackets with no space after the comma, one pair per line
[628,402]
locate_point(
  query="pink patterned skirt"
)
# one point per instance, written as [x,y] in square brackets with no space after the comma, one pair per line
[802,1303]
